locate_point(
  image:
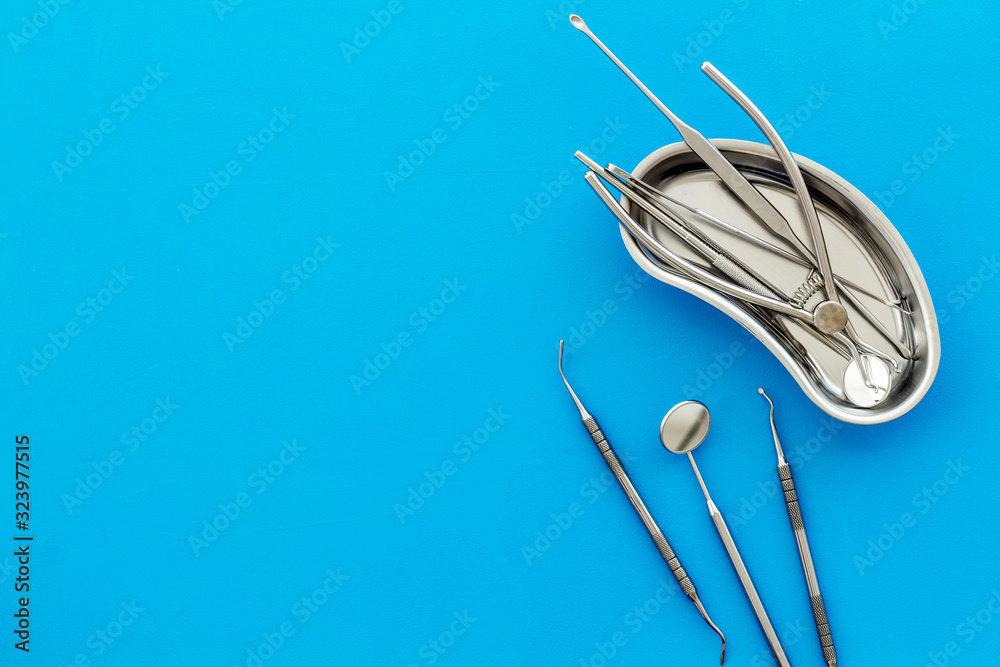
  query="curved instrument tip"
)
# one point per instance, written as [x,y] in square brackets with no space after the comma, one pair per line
[704,614]
[577,22]
[774,429]
[583,411]
[763,393]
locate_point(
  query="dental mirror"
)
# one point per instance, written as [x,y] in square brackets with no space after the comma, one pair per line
[685,426]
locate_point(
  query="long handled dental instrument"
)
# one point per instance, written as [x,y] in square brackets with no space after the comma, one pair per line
[705,246]
[831,311]
[799,527]
[710,155]
[830,315]
[646,197]
[615,465]
[637,189]
[843,283]
[701,275]
[732,267]
[748,289]
[684,428]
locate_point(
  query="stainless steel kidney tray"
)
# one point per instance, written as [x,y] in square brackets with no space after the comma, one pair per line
[865,251]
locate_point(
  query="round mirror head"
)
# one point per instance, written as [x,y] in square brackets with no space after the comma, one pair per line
[685,426]
[861,394]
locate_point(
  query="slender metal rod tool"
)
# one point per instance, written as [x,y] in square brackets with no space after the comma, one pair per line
[842,282]
[703,148]
[799,527]
[716,254]
[647,519]
[745,290]
[791,168]
[646,196]
[739,291]
[746,280]
[684,428]
[831,316]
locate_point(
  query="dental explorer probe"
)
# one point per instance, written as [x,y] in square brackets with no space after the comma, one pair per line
[654,531]
[799,527]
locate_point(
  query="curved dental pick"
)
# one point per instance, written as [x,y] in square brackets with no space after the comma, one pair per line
[799,527]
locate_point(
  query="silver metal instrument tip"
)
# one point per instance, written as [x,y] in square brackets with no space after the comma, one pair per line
[704,614]
[583,411]
[774,429]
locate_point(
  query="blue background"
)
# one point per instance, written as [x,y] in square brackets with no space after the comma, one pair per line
[127,537]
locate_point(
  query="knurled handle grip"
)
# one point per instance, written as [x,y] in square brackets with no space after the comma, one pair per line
[742,278]
[818,608]
[823,627]
[680,574]
[594,429]
[662,545]
[791,497]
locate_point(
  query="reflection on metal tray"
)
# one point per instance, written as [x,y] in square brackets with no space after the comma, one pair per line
[866,253]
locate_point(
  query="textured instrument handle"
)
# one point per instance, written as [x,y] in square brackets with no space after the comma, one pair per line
[742,278]
[791,497]
[798,525]
[674,563]
[662,545]
[596,434]
[823,628]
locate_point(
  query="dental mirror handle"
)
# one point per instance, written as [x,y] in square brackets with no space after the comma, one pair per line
[787,160]
[741,571]
[821,254]
[755,601]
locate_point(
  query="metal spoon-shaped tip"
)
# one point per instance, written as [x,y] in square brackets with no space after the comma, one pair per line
[577,22]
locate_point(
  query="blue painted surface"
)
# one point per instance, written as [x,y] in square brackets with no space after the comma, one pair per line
[219,251]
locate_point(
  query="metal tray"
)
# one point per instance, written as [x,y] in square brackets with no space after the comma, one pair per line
[864,248]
